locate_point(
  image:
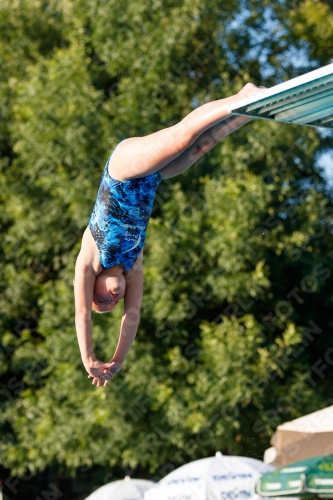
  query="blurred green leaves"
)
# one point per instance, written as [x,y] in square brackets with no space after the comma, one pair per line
[238,301]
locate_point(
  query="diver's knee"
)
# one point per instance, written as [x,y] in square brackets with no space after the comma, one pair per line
[184,135]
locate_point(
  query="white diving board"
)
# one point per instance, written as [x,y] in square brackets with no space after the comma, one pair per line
[305,100]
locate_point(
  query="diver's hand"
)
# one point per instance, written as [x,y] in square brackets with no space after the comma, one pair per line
[111,368]
[100,372]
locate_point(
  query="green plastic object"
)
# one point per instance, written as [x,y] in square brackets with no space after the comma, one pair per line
[310,477]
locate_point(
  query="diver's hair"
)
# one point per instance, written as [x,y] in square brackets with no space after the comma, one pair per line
[99,312]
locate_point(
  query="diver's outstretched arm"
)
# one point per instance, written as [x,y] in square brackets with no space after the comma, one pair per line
[131,317]
[83,292]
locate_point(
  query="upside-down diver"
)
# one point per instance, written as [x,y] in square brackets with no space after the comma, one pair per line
[109,266]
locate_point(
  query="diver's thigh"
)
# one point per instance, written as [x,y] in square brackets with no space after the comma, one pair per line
[141,156]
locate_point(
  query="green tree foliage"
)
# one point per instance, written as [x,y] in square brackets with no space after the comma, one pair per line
[238,260]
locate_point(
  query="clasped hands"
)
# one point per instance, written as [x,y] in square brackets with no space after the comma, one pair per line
[102,373]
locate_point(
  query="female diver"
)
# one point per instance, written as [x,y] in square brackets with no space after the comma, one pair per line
[109,266]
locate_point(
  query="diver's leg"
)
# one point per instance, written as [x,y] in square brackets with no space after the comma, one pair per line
[202,145]
[141,156]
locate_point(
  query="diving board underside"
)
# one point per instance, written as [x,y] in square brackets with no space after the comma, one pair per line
[305,100]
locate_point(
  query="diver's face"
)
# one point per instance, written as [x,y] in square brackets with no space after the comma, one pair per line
[108,291]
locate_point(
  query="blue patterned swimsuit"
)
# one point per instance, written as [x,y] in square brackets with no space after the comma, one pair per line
[120,217]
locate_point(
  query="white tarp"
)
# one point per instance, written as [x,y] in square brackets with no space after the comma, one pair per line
[217,478]
[319,421]
[125,489]
[304,437]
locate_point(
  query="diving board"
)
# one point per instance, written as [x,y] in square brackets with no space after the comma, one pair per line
[305,100]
